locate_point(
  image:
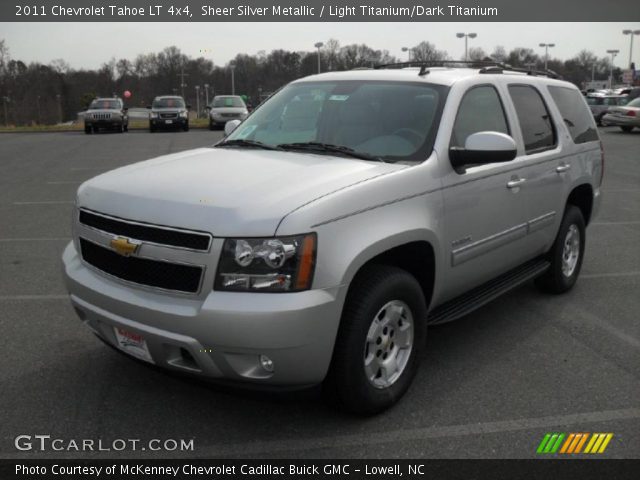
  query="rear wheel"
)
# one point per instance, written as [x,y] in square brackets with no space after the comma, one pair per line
[211,125]
[626,128]
[566,254]
[380,341]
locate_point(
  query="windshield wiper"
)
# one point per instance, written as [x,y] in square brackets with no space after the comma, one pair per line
[247,143]
[329,148]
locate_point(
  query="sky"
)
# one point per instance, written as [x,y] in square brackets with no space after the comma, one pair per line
[88,45]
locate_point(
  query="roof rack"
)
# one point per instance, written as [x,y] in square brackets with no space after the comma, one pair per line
[485,66]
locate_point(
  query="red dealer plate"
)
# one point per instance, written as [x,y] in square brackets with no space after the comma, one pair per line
[133,344]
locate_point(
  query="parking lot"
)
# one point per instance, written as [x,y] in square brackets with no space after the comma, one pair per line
[491,385]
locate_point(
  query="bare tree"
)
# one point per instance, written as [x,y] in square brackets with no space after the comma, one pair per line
[425,52]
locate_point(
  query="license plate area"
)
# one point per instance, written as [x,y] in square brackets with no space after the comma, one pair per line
[133,344]
[168,122]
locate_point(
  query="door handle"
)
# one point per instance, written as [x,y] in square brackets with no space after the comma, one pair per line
[516,182]
[563,168]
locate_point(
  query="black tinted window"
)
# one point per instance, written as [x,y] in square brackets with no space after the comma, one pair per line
[575,113]
[480,111]
[535,122]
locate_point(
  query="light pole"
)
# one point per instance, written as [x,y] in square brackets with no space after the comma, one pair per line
[59,98]
[206,94]
[319,45]
[613,54]
[182,75]
[6,116]
[406,49]
[466,37]
[547,46]
[233,79]
[197,101]
[631,33]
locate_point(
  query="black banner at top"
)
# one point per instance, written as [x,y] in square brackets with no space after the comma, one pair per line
[319,11]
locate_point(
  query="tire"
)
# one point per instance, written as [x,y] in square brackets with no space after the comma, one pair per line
[211,125]
[626,129]
[599,119]
[565,268]
[126,127]
[96,129]
[377,290]
[87,130]
[152,128]
[186,127]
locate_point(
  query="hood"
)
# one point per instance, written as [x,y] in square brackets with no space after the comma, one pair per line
[229,109]
[225,191]
[104,110]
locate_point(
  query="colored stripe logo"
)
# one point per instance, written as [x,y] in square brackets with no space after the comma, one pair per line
[572,443]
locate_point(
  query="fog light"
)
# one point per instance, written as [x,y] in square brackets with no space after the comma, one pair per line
[266,363]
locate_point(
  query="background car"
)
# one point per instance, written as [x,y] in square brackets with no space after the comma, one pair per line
[600,104]
[109,113]
[169,111]
[224,108]
[626,117]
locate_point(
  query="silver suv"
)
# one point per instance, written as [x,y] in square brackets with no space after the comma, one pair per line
[318,241]
[224,108]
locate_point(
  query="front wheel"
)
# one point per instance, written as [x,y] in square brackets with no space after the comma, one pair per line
[566,254]
[626,129]
[186,127]
[380,341]
[87,130]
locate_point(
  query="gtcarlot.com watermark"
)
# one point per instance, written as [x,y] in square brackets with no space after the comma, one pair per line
[47,443]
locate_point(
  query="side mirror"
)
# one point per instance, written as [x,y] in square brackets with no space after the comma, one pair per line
[125,109]
[483,147]
[207,108]
[230,126]
[188,106]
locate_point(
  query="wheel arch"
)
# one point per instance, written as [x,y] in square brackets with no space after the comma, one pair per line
[581,196]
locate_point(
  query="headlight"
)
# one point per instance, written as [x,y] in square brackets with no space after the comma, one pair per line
[153,115]
[282,264]
[184,114]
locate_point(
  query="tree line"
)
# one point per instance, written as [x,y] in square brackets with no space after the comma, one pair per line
[36,93]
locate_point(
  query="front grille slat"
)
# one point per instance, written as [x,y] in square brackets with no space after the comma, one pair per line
[147,233]
[143,271]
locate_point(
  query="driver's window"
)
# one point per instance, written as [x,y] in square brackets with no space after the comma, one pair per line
[480,111]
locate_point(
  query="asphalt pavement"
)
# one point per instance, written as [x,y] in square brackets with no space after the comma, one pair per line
[492,384]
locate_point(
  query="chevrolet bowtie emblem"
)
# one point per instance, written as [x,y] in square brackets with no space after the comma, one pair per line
[124,246]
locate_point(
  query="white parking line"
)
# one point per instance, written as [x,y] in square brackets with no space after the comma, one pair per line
[33,297]
[64,182]
[38,239]
[417,434]
[607,275]
[47,202]
[633,222]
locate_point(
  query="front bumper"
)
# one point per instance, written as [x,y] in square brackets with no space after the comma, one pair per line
[169,122]
[113,122]
[621,120]
[220,337]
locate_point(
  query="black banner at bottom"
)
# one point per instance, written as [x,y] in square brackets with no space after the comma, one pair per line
[199,469]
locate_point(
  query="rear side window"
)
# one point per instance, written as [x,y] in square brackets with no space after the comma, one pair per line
[535,121]
[575,113]
[480,111]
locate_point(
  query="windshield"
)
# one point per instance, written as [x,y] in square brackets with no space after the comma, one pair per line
[228,102]
[105,105]
[634,103]
[390,120]
[173,102]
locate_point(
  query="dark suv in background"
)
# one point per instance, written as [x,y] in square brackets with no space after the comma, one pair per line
[109,113]
[168,112]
